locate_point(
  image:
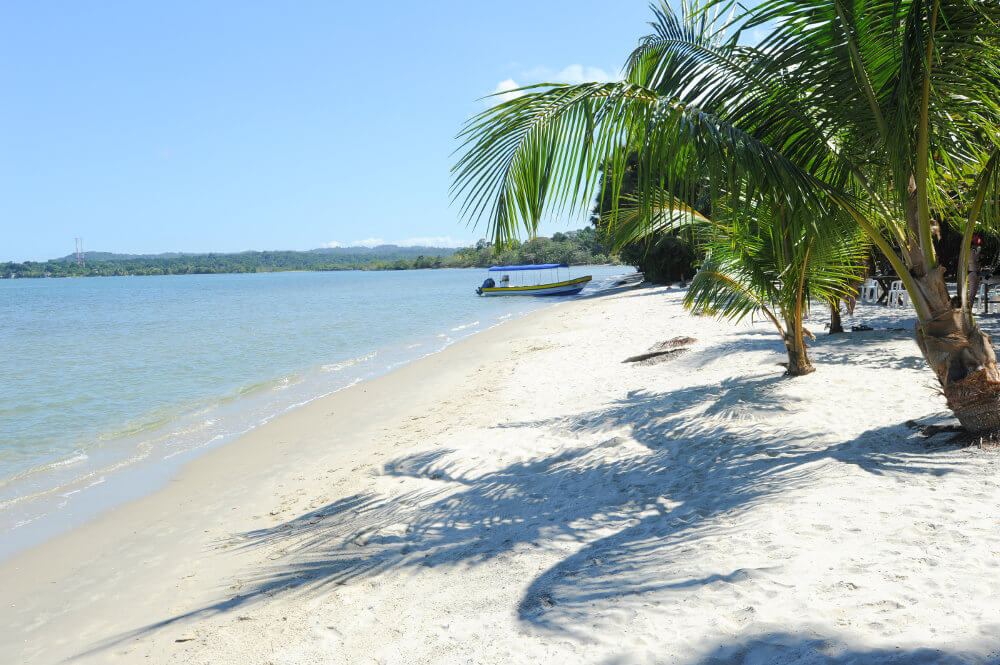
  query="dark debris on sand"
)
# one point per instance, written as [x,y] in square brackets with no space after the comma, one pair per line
[662,352]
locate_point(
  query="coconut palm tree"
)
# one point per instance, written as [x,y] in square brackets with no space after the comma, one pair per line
[873,109]
[771,263]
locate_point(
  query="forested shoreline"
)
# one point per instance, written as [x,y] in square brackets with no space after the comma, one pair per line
[584,246]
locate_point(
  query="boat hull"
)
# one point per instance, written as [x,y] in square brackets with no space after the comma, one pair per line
[567,288]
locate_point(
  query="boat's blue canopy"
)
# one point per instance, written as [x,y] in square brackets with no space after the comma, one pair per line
[540,266]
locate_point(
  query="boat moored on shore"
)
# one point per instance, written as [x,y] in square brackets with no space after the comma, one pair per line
[532,280]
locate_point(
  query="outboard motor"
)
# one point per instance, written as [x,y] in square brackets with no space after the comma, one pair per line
[488,284]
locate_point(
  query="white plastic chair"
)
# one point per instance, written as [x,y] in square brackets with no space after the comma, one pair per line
[870,291]
[898,297]
[981,297]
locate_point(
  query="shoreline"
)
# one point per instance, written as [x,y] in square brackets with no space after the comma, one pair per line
[124,468]
[267,272]
[525,496]
[400,391]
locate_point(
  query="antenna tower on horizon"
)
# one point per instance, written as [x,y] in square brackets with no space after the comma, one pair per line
[81,258]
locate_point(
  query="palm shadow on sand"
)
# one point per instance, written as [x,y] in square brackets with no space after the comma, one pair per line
[671,469]
[799,649]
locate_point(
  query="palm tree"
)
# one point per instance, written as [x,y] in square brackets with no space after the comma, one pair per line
[771,263]
[873,109]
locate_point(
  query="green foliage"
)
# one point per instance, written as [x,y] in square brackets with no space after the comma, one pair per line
[662,259]
[575,247]
[243,262]
[869,108]
[775,264]
[585,246]
[662,256]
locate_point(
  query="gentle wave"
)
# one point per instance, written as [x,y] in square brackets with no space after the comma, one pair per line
[350,362]
[142,452]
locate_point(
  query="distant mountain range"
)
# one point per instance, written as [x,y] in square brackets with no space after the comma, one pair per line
[362,253]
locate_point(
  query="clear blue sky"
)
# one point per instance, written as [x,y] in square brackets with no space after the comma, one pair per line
[225,126]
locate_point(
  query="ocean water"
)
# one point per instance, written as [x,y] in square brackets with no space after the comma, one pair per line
[107,384]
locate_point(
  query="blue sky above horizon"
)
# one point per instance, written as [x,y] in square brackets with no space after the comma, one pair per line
[224,126]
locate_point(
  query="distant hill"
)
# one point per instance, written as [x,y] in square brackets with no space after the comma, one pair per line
[573,247]
[384,252]
[409,250]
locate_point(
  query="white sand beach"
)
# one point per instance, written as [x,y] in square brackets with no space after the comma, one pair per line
[525,497]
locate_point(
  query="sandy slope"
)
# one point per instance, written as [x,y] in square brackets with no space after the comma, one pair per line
[526,497]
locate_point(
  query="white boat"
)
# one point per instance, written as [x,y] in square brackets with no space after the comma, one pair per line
[532,280]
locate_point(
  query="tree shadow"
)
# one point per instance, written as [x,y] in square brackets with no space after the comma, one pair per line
[855,349]
[640,290]
[671,469]
[625,290]
[714,473]
[798,649]
[860,348]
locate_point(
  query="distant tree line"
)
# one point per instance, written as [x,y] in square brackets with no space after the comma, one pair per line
[575,247]
[585,246]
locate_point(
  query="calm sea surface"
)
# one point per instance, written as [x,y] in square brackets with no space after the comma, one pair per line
[104,380]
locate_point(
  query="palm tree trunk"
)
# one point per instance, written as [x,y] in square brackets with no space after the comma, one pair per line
[795,346]
[836,325]
[961,356]
[974,276]
[798,361]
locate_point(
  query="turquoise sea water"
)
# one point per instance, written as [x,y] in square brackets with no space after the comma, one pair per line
[100,377]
